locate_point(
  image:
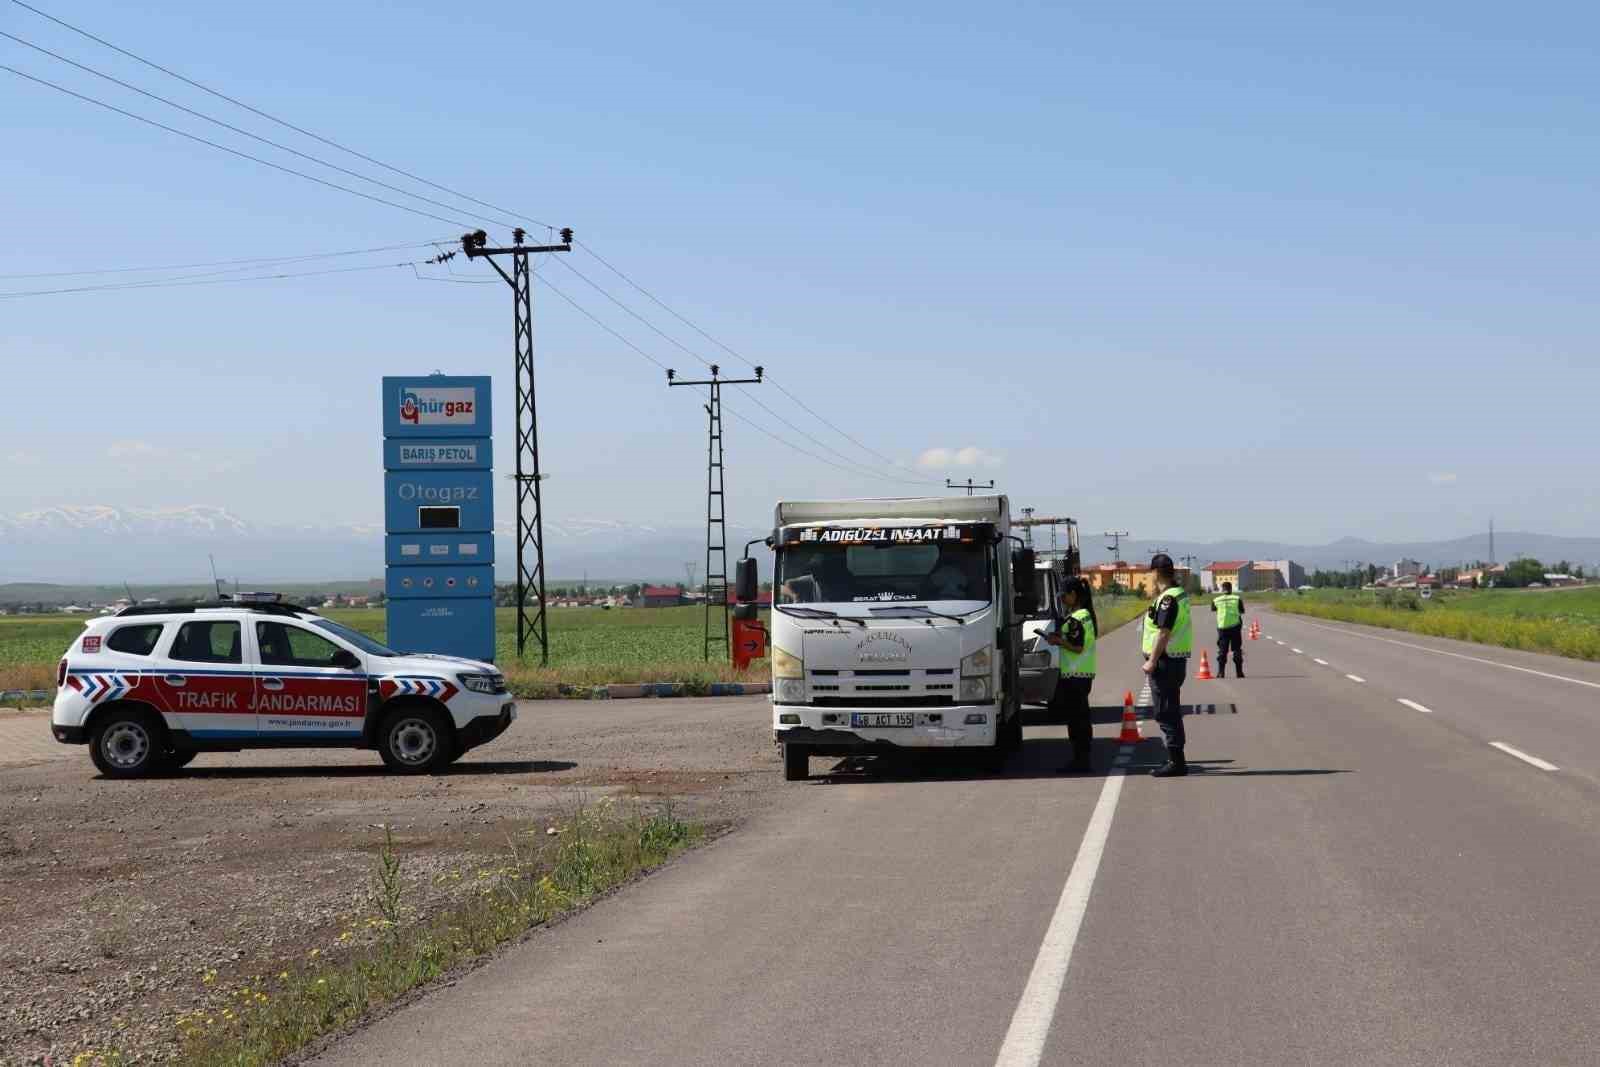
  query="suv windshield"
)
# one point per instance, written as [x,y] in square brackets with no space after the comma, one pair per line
[882,573]
[355,637]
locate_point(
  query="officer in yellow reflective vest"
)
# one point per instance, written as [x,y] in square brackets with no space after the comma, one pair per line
[1075,640]
[1168,640]
[1229,607]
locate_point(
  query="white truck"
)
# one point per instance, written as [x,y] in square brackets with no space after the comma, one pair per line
[896,624]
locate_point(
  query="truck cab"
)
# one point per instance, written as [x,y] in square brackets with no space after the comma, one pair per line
[897,624]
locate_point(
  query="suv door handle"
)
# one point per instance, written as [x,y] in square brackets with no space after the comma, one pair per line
[272,683]
[175,679]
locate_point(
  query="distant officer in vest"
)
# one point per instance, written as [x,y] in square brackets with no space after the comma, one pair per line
[1075,640]
[1168,640]
[1229,607]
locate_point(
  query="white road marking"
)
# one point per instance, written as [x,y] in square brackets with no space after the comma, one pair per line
[1543,765]
[1297,652]
[1414,706]
[1355,678]
[1030,1024]
[1321,661]
[1455,655]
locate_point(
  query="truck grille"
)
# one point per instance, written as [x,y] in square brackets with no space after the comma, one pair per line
[882,687]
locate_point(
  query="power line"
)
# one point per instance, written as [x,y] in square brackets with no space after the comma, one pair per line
[273,118]
[736,355]
[236,129]
[260,261]
[790,445]
[695,355]
[231,151]
[179,283]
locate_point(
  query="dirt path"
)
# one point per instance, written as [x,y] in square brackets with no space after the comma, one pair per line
[118,900]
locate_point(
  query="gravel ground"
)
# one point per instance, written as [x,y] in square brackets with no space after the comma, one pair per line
[118,900]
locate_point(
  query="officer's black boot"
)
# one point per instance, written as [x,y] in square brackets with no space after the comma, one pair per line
[1175,766]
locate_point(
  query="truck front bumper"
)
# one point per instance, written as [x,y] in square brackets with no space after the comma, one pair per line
[832,732]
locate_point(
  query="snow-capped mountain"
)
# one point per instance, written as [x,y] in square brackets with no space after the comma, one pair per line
[94,543]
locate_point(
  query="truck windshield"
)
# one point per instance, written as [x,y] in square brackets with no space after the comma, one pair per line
[882,573]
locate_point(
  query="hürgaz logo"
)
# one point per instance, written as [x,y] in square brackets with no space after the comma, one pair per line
[439,407]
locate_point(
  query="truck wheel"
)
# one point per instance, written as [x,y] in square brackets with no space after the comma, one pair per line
[415,740]
[127,744]
[796,763]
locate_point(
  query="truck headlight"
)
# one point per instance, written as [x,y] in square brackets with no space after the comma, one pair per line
[978,665]
[786,666]
[974,690]
[788,691]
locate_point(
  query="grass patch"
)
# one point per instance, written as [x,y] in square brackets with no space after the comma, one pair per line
[1565,623]
[542,875]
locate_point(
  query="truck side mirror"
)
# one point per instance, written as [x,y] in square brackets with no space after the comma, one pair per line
[744,581]
[1024,579]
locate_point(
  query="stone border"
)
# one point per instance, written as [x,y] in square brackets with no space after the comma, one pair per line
[26,699]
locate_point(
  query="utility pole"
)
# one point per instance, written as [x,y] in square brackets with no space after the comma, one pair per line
[689,569]
[530,517]
[1026,524]
[969,486]
[1115,547]
[716,501]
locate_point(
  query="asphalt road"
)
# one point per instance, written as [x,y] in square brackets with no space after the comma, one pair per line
[1347,879]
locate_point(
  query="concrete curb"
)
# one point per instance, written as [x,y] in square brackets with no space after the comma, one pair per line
[641,690]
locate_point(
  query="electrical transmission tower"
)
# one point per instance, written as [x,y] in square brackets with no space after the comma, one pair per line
[530,518]
[1115,547]
[1027,526]
[716,503]
[969,485]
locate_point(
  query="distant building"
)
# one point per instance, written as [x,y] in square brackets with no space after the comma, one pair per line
[1279,574]
[763,598]
[1130,577]
[1241,572]
[1406,568]
[660,596]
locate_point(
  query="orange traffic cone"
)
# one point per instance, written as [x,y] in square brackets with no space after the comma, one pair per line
[1205,668]
[1130,722]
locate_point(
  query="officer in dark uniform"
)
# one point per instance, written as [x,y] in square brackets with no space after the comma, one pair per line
[1168,640]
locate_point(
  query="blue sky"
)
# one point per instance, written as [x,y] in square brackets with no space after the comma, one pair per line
[1196,271]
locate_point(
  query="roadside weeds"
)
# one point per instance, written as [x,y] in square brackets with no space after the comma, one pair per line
[544,873]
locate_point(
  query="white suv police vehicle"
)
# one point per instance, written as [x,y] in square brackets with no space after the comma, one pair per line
[152,686]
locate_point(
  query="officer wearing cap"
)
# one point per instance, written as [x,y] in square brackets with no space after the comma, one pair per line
[1229,607]
[1075,639]
[1168,639]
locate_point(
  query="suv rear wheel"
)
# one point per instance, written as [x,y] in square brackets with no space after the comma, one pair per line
[416,740]
[127,744]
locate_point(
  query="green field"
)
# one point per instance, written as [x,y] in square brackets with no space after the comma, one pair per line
[588,646]
[1565,622]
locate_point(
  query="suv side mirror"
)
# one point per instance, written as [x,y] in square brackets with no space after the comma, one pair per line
[346,660]
[744,581]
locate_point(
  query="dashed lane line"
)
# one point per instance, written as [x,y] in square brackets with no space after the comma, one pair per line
[1543,765]
[1454,655]
[1297,652]
[1355,678]
[1030,1024]
[1321,661]
[1414,706]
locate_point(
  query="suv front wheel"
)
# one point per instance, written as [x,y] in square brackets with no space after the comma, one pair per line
[416,740]
[127,744]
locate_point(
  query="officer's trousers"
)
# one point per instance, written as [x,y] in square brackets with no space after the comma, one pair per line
[1230,637]
[1166,685]
[1071,701]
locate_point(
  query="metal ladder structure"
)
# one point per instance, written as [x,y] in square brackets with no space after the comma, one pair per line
[716,584]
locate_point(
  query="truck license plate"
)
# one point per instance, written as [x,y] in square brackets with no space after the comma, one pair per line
[882,718]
